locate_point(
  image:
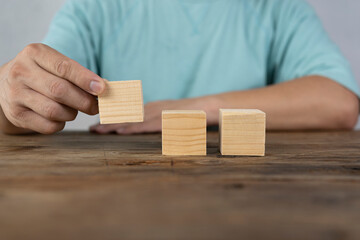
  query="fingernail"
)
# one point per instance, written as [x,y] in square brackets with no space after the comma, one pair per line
[97,87]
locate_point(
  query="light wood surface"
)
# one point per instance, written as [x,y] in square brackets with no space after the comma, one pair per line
[122,102]
[183,132]
[242,132]
[77,185]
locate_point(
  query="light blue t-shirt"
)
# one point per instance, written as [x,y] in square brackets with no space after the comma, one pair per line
[190,48]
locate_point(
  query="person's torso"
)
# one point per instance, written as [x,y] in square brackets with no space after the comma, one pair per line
[186,48]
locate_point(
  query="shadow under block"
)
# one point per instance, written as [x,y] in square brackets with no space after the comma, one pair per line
[122,102]
[242,132]
[184,133]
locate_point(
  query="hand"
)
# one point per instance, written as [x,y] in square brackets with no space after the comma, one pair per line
[153,112]
[41,89]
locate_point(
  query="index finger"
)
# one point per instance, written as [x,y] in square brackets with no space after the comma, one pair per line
[57,64]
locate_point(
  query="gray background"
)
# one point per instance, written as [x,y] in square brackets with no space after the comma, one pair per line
[24,21]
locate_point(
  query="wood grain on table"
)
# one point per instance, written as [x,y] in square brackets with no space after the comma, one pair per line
[76,185]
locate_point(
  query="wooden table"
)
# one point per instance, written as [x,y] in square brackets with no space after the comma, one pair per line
[80,186]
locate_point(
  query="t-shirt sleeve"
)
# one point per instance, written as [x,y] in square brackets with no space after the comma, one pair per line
[301,47]
[74,32]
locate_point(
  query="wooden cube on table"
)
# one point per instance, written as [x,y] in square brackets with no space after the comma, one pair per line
[242,132]
[122,102]
[184,132]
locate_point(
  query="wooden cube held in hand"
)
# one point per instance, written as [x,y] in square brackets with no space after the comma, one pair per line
[122,102]
[184,133]
[242,132]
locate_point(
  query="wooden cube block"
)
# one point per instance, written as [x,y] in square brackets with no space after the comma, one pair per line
[184,133]
[122,102]
[242,132]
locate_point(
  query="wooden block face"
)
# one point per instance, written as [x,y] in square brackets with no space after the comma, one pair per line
[184,133]
[122,102]
[242,132]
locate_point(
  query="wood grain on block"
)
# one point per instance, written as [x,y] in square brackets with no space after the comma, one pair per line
[122,102]
[242,132]
[184,132]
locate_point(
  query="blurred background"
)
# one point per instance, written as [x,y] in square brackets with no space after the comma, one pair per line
[24,21]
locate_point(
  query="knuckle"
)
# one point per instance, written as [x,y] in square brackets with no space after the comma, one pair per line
[51,111]
[17,113]
[58,90]
[63,68]
[14,114]
[53,127]
[16,71]
[32,49]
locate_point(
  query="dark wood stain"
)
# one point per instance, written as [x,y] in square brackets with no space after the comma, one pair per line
[20,148]
[236,186]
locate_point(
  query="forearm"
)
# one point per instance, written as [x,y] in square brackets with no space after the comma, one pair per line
[308,103]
